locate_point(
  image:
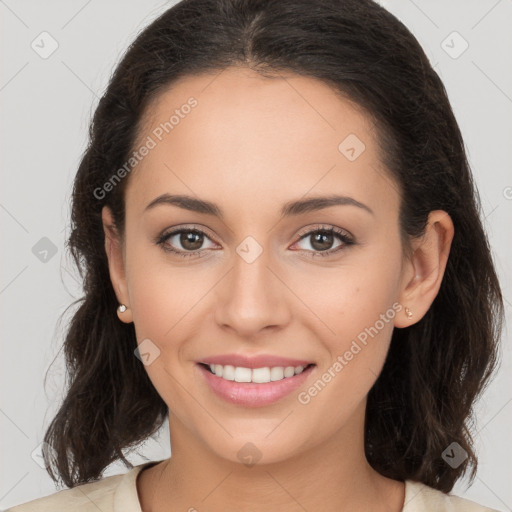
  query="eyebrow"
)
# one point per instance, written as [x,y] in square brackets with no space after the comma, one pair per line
[289,209]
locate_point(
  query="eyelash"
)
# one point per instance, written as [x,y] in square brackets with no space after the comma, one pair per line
[329,230]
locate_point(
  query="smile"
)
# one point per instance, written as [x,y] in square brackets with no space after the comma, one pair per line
[253,387]
[258,375]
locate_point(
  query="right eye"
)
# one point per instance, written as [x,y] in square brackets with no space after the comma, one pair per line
[190,239]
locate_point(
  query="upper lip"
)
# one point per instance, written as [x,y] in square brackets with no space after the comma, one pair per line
[259,361]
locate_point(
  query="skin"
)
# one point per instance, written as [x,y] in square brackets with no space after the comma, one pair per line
[251,145]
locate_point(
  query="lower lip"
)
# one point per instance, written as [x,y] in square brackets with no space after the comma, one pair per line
[251,394]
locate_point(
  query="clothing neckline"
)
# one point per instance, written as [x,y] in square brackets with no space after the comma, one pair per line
[126,498]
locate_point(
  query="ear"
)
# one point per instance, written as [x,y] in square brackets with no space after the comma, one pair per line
[424,270]
[114,250]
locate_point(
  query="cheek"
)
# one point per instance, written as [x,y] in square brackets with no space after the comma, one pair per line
[362,320]
[344,301]
[162,293]
[163,299]
[354,308]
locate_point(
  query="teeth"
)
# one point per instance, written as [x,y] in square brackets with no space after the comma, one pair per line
[277,373]
[258,375]
[242,374]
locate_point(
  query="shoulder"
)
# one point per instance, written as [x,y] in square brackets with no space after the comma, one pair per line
[422,498]
[83,498]
[112,493]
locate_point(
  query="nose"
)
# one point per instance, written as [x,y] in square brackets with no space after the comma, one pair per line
[252,297]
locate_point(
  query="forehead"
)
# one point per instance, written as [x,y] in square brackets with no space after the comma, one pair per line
[235,133]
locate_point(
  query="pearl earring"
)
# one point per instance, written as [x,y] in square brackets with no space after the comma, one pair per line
[408,312]
[121,308]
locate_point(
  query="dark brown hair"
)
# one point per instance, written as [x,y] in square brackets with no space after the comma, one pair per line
[435,369]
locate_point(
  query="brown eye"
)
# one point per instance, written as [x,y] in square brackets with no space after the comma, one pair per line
[191,240]
[321,241]
[184,242]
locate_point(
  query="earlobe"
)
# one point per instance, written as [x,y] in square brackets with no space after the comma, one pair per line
[423,273]
[124,314]
[114,252]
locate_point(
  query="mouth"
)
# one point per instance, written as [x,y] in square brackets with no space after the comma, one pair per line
[255,375]
[254,387]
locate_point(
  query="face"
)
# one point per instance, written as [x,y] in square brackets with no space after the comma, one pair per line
[322,283]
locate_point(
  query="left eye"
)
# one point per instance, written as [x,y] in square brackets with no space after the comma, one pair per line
[322,240]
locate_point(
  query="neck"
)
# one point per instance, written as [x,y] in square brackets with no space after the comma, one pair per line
[332,476]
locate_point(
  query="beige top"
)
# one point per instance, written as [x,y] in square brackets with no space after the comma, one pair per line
[118,493]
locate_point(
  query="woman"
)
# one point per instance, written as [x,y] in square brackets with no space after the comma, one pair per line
[282,254]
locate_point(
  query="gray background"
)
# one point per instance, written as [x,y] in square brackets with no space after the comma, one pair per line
[46,104]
